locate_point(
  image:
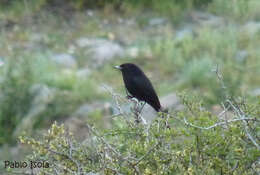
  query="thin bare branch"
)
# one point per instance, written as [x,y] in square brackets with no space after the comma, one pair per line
[216,124]
[241,114]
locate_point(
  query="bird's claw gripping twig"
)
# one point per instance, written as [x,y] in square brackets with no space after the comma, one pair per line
[129,97]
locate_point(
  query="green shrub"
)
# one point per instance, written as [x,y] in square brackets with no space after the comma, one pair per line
[16,79]
[237,10]
[187,147]
[65,92]
[173,8]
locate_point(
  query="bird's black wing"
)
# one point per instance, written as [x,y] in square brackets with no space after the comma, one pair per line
[145,91]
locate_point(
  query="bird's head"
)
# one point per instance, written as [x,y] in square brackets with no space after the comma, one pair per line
[129,68]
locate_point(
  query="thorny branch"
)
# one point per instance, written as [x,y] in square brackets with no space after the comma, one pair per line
[136,110]
[147,153]
[217,124]
[240,113]
[133,162]
[241,116]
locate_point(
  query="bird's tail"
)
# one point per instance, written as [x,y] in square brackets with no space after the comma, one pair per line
[164,110]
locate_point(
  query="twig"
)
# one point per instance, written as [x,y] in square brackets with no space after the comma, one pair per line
[147,153]
[238,111]
[137,111]
[66,156]
[108,145]
[121,112]
[224,111]
[241,114]
[216,124]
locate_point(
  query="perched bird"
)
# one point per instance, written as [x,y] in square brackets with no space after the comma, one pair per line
[138,85]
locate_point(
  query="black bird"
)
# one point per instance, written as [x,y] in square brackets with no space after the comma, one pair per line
[138,85]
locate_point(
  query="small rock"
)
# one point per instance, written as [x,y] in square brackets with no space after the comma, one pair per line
[90,13]
[157,21]
[37,37]
[92,173]
[71,49]
[251,27]
[43,95]
[85,109]
[241,56]
[255,92]
[183,33]
[87,42]
[120,20]
[101,50]
[149,113]
[218,111]
[207,19]
[83,73]
[132,52]
[78,127]
[126,108]
[65,60]
[130,22]
[171,101]
[1,62]
[76,123]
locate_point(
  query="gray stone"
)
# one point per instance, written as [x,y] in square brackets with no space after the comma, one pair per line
[77,126]
[91,173]
[85,109]
[76,123]
[42,96]
[170,102]
[1,62]
[183,33]
[64,60]
[241,56]
[157,21]
[126,108]
[207,19]
[83,73]
[37,37]
[149,113]
[255,92]
[251,27]
[90,12]
[87,42]
[100,50]
[107,51]
[132,52]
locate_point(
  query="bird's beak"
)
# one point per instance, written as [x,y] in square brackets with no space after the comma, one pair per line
[118,67]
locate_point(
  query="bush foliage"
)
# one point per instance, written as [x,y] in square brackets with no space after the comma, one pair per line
[20,96]
[187,146]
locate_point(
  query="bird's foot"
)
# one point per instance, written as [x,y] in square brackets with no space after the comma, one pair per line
[129,97]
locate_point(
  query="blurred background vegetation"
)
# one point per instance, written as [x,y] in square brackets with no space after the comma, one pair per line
[58,55]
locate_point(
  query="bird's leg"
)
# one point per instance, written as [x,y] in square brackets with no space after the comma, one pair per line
[136,112]
[166,120]
[140,110]
[128,96]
